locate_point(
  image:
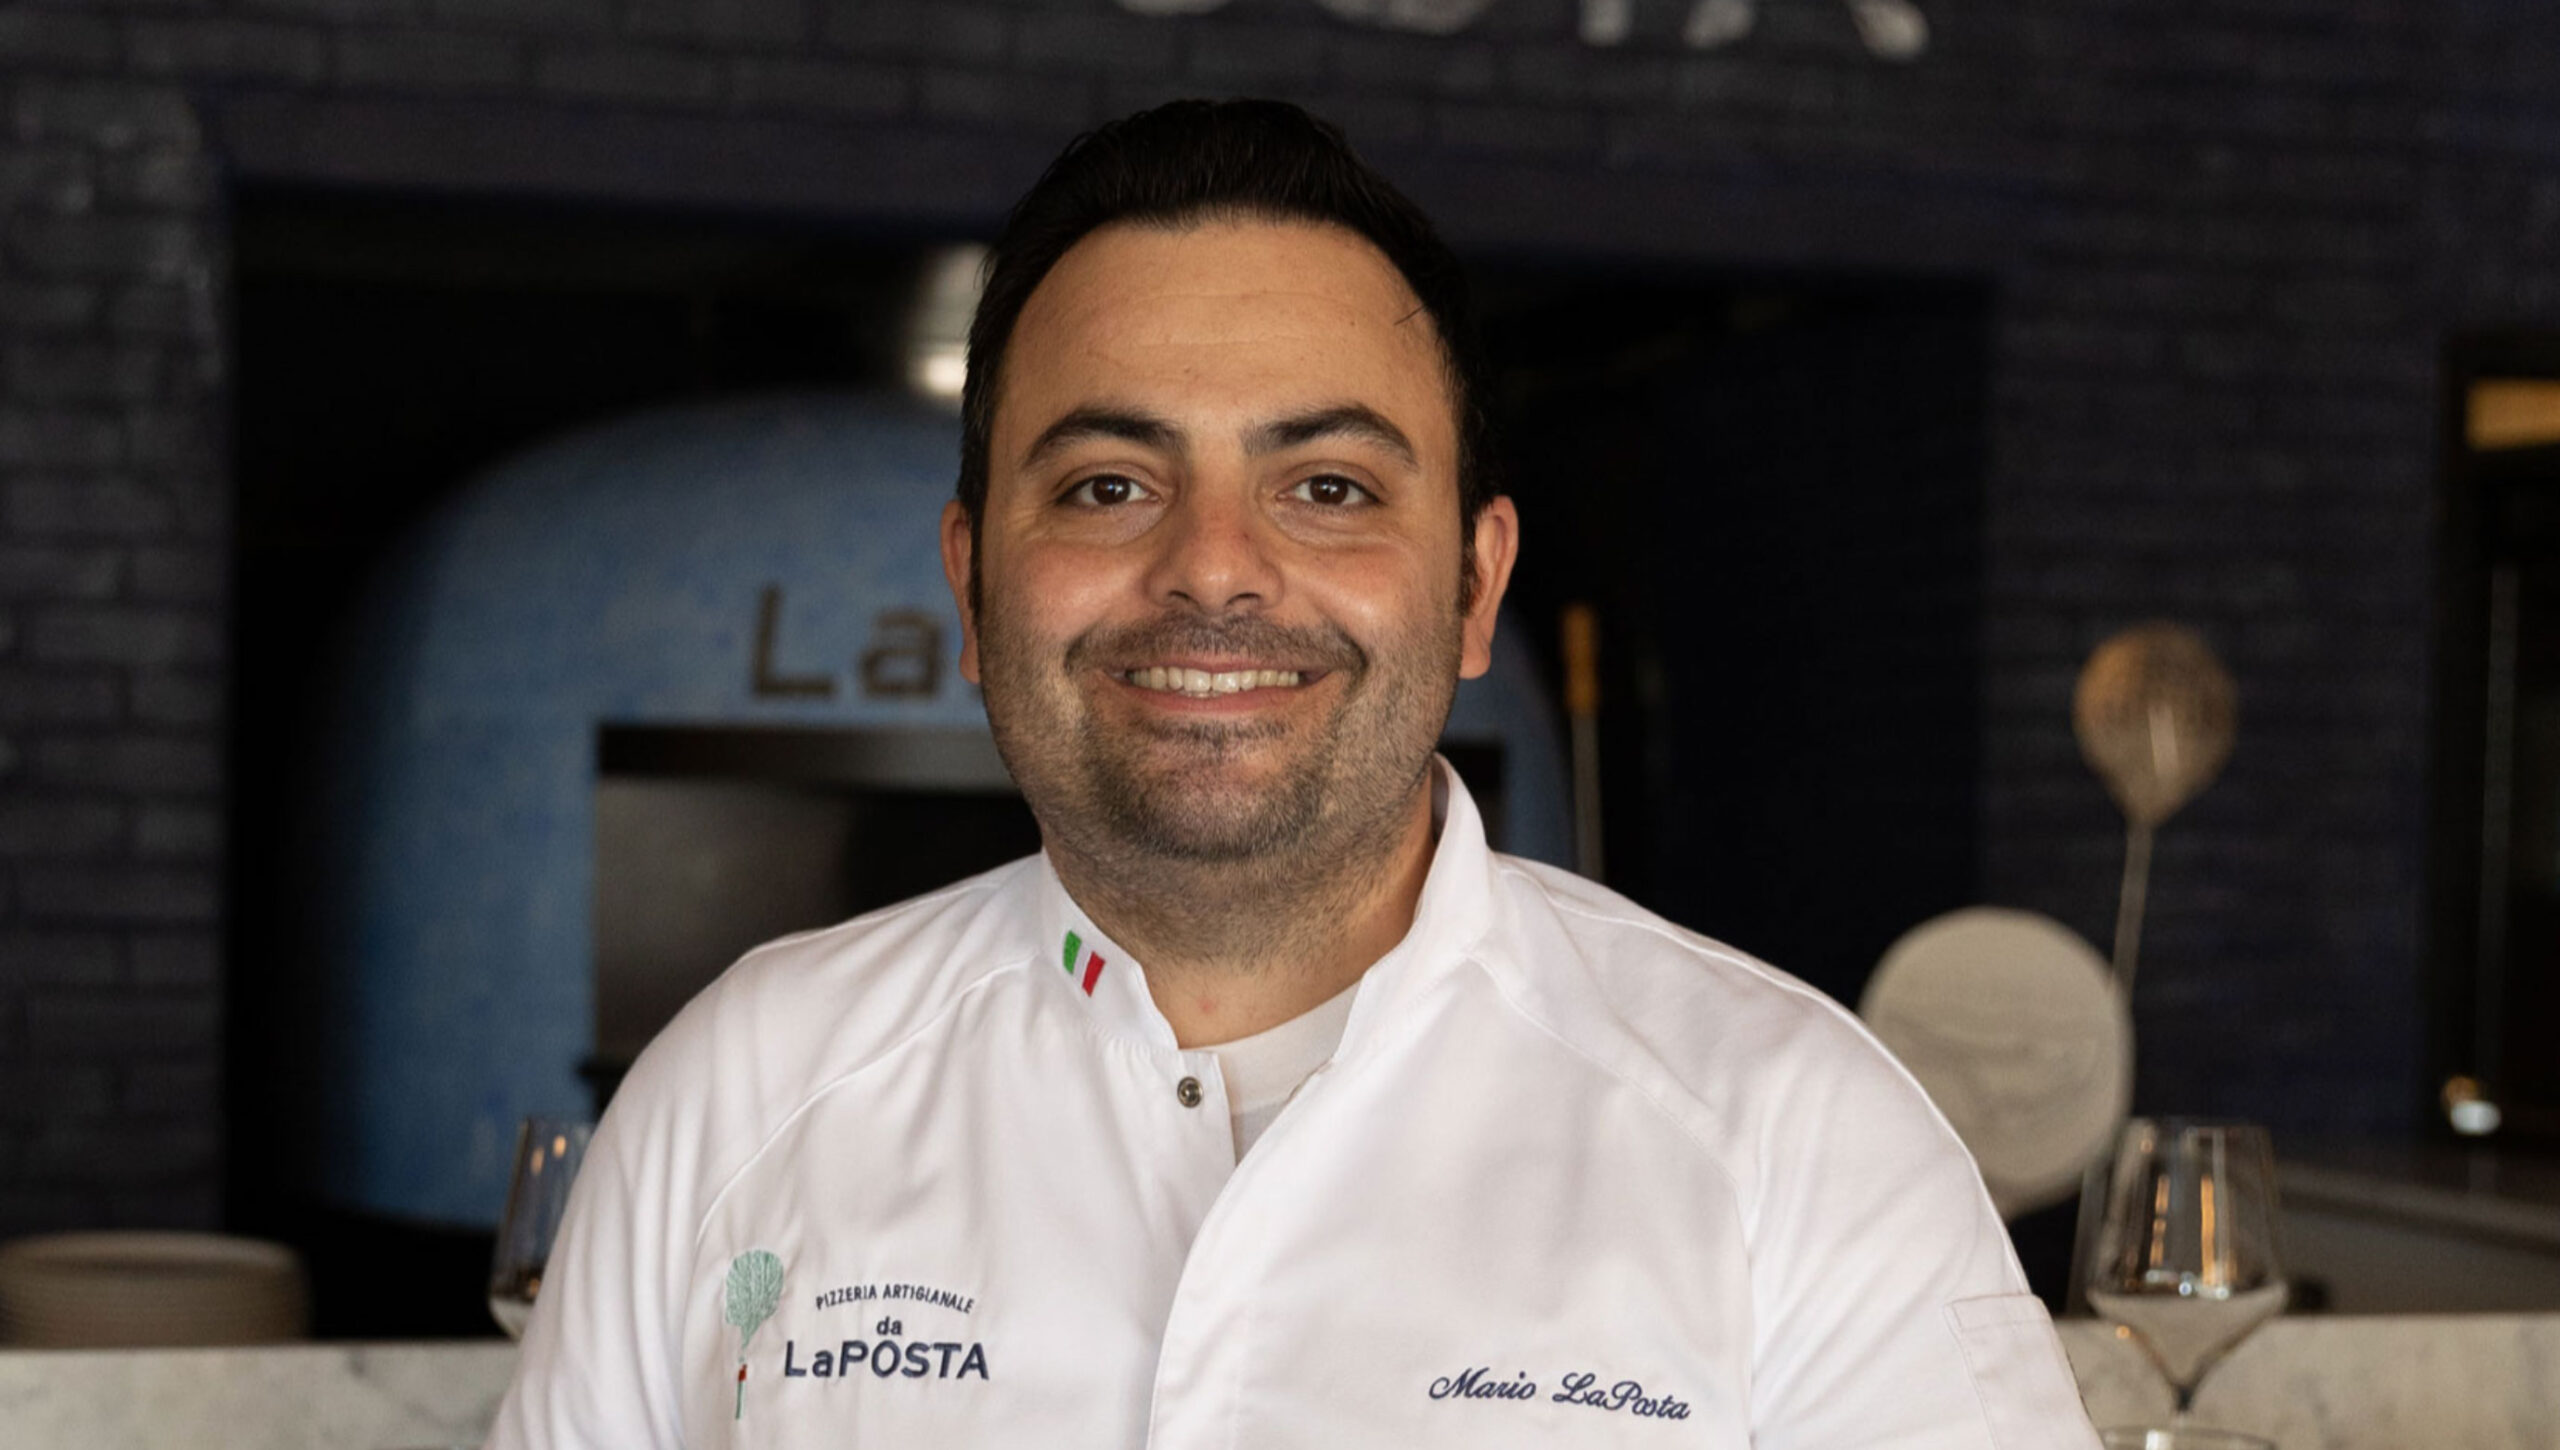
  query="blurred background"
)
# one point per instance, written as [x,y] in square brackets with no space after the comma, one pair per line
[467,469]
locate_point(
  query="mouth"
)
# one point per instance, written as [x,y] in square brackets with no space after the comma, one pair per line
[1208,684]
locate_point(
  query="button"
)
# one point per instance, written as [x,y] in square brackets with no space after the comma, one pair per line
[1188,1090]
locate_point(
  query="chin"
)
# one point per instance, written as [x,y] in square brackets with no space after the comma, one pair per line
[1193,821]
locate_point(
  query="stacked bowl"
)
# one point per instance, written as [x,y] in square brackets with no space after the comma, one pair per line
[131,1289]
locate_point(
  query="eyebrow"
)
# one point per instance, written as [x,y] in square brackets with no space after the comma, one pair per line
[1125,425]
[1342,420]
[1128,425]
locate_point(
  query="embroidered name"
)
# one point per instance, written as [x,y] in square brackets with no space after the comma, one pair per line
[1625,1395]
[1472,1385]
[887,1358]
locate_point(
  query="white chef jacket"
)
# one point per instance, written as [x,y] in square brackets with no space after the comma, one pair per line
[940,1177]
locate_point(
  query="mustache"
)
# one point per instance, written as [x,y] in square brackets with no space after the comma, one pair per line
[1245,636]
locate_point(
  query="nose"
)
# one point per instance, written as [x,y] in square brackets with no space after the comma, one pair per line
[1215,554]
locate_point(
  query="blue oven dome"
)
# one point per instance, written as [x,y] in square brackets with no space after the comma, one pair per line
[728,565]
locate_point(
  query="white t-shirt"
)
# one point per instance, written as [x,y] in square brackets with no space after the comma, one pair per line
[1571,1176]
[1263,1071]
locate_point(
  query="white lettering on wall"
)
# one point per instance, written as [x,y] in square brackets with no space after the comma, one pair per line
[1431,17]
[1891,29]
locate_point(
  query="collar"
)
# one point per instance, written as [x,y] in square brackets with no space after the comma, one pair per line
[1083,964]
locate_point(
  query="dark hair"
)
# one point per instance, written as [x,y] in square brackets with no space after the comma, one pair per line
[1189,161]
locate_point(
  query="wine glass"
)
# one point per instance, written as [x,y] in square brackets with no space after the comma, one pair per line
[2186,1259]
[548,1151]
[2184,1437]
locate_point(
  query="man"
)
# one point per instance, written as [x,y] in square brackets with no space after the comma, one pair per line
[1266,1106]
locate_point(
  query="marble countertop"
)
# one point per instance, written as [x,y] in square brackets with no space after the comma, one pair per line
[291,1397]
[2338,1382]
[2457,1382]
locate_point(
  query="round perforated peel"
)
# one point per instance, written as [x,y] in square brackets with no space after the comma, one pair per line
[2013,1025]
[2155,712]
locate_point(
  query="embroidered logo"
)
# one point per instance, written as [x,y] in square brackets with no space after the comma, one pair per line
[754,1292]
[893,1350]
[1084,967]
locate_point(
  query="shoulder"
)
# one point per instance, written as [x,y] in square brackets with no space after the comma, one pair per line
[1708,1007]
[1756,1065]
[880,974]
[797,1014]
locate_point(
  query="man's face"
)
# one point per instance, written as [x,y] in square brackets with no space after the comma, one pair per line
[1219,563]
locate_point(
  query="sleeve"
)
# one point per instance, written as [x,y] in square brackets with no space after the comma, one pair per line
[602,1361]
[1889,1310]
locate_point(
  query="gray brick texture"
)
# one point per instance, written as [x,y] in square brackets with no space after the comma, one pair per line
[430,60]
[227,49]
[626,72]
[112,640]
[792,84]
[33,39]
[569,17]
[920,30]
[742,23]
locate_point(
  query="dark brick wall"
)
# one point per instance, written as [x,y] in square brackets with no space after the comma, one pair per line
[112,507]
[2227,237]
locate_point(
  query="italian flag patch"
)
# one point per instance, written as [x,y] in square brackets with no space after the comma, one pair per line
[1084,967]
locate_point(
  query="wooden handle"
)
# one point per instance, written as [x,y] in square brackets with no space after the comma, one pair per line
[1581,659]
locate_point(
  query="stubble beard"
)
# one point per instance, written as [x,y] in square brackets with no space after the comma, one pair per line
[1138,808]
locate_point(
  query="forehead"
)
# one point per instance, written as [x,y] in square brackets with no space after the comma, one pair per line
[1241,317]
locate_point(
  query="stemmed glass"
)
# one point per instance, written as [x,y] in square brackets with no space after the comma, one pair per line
[2186,1259]
[548,1151]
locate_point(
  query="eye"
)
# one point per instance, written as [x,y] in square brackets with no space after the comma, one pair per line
[1331,490]
[1105,490]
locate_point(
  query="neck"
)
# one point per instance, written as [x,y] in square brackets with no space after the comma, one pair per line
[1282,935]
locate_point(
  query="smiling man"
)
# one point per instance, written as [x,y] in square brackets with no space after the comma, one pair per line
[1266,1106]
[1222,590]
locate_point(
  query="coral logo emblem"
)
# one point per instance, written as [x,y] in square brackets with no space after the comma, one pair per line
[754,1292]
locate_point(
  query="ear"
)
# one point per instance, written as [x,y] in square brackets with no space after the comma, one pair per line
[959,552]
[1497,531]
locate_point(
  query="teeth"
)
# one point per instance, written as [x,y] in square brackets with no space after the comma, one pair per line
[1200,684]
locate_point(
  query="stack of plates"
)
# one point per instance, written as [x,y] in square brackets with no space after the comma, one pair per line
[117,1290]
[2018,1031]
